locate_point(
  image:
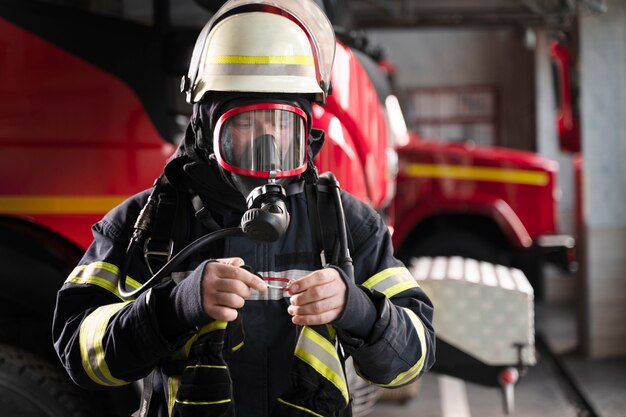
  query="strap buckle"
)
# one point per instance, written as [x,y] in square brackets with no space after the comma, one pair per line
[157,250]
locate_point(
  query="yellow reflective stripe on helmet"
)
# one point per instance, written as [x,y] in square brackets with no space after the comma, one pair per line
[262,60]
[391,281]
[91,333]
[415,370]
[321,355]
[102,274]
[299,407]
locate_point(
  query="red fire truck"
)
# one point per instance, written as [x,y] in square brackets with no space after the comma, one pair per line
[87,120]
[491,204]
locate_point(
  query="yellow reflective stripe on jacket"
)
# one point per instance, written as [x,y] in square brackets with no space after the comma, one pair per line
[226,400]
[299,407]
[415,370]
[102,274]
[173,383]
[391,281]
[207,328]
[91,333]
[321,355]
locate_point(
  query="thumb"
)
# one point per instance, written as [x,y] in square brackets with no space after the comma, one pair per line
[236,261]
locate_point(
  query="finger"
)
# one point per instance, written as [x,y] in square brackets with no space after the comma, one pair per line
[335,288]
[240,274]
[315,308]
[314,294]
[235,261]
[222,313]
[232,286]
[321,276]
[250,279]
[227,299]
[316,319]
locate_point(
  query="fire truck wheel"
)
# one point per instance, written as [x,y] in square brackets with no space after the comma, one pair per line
[31,387]
[459,243]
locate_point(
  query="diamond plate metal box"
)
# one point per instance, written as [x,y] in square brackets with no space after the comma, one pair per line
[485,310]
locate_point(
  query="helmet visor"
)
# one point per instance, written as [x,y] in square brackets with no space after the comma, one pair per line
[266,140]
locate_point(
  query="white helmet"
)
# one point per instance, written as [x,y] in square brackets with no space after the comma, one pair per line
[266,46]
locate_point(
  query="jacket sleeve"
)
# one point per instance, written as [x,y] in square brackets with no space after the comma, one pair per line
[387,324]
[101,339]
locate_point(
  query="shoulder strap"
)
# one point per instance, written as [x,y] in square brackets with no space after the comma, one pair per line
[314,220]
[324,224]
[159,246]
[170,224]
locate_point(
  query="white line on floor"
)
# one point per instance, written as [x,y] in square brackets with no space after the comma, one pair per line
[453,397]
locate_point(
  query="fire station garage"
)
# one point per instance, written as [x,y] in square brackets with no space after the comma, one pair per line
[489,134]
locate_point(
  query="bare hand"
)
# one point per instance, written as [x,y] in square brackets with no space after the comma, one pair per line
[317,298]
[226,286]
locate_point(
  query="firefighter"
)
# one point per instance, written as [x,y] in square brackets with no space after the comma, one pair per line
[243,326]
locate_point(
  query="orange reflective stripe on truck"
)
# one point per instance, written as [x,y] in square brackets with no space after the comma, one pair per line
[495,174]
[59,204]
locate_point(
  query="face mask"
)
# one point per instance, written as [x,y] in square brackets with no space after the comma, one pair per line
[262,145]
[264,140]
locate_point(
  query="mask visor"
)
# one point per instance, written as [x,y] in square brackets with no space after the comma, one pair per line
[265,140]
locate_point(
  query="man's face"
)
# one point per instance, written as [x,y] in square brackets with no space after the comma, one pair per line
[247,129]
[262,138]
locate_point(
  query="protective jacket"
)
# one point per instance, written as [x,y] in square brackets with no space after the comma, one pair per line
[104,341]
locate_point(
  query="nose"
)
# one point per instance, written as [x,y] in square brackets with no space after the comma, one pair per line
[265,153]
[267,125]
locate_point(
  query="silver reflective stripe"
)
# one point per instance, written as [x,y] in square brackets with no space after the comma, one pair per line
[91,334]
[277,278]
[321,355]
[391,281]
[102,274]
[265,69]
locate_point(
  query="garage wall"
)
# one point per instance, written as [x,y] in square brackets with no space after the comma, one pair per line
[462,57]
[603,100]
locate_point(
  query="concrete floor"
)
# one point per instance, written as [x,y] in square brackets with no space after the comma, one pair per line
[562,384]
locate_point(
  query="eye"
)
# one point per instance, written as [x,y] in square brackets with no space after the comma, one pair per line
[285,122]
[241,121]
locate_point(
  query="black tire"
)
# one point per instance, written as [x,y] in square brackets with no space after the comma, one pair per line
[458,243]
[31,387]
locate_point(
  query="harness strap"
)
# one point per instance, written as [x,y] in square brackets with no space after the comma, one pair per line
[146,396]
[314,221]
[159,246]
[202,213]
[323,212]
[330,231]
